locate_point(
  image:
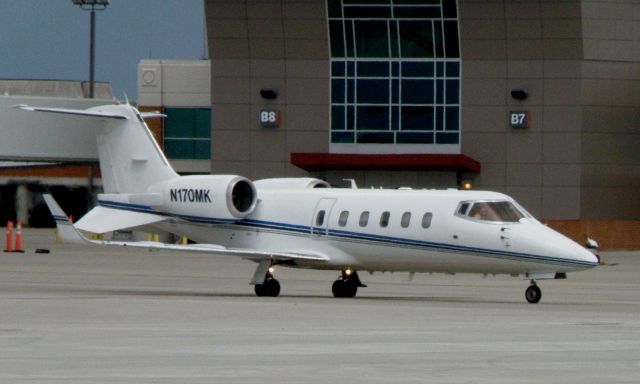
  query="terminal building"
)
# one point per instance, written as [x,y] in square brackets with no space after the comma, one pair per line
[536,99]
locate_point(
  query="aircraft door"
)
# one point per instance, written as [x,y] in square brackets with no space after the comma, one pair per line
[320,219]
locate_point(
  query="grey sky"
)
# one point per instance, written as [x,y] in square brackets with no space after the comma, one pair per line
[49,39]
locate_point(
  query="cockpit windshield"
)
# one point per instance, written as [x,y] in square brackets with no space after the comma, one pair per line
[497,211]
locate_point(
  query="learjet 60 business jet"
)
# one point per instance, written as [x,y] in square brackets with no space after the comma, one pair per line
[304,223]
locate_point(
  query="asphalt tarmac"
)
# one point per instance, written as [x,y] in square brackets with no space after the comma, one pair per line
[91,316]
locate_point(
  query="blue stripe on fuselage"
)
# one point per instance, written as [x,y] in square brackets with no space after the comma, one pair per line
[388,240]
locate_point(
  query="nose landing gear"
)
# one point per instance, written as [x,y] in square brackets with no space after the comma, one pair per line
[533,294]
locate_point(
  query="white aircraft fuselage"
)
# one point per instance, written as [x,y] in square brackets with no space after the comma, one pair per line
[303,222]
[291,216]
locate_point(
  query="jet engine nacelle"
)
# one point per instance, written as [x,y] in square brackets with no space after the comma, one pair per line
[209,197]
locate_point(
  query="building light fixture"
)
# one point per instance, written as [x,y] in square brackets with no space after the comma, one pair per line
[520,93]
[268,93]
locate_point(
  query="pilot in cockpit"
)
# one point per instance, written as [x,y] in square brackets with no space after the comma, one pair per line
[482,211]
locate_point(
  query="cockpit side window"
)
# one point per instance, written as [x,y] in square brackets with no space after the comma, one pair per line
[493,211]
[463,209]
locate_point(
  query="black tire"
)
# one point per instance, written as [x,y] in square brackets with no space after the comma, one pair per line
[351,288]
[338,288]
[272,287]
[344,288]
[533,294]
[260,290]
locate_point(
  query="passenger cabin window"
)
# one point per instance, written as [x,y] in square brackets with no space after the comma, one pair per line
[320,218]
[344,216]
[364,218]
[384,219]
[495,211]
[406,220]
[426,219]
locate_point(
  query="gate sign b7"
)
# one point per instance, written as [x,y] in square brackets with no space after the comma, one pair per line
[519,119]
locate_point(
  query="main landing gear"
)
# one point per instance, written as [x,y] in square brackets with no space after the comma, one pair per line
[263,281]
[533,294]
[347,284]
[269,287]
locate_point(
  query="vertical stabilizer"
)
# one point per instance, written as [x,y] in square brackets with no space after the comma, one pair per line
[130,158]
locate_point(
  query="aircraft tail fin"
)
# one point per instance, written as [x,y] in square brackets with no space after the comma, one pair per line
[130,158]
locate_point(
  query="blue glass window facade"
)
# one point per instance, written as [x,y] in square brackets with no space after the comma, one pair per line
[395,71]
[187,133]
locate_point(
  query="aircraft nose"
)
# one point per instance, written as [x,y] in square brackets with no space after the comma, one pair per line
[568,249]
[583,254]
[595,258]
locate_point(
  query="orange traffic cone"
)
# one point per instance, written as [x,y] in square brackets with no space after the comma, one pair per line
[9,247]
[18,238]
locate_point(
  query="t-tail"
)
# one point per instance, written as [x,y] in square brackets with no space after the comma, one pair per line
[130,158]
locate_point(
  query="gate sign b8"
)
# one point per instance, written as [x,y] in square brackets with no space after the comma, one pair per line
[519,119]
[269,118]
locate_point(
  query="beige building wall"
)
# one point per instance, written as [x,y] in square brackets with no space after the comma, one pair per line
[611,110]
[267,44]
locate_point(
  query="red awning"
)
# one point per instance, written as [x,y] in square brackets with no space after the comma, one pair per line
[386,162]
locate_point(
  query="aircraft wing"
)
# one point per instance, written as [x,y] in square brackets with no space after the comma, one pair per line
[70,234]
[103,219]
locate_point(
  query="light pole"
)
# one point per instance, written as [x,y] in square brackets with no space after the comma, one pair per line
[92,5]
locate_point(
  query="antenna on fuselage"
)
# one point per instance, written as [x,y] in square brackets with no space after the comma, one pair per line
[352,183]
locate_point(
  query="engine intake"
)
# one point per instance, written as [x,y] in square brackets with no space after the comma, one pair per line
[242,196]
[217,197]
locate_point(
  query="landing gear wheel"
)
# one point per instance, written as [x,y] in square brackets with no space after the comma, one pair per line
[533,294]
[344,288]
[270,287]
[260,290]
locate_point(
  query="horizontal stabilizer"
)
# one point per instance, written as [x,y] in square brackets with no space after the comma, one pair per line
[78,112]
[102,219]
[152,115]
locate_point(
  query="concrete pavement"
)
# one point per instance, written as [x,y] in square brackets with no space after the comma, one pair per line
[79,316]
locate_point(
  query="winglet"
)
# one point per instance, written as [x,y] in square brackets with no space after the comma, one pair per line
[68,232]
